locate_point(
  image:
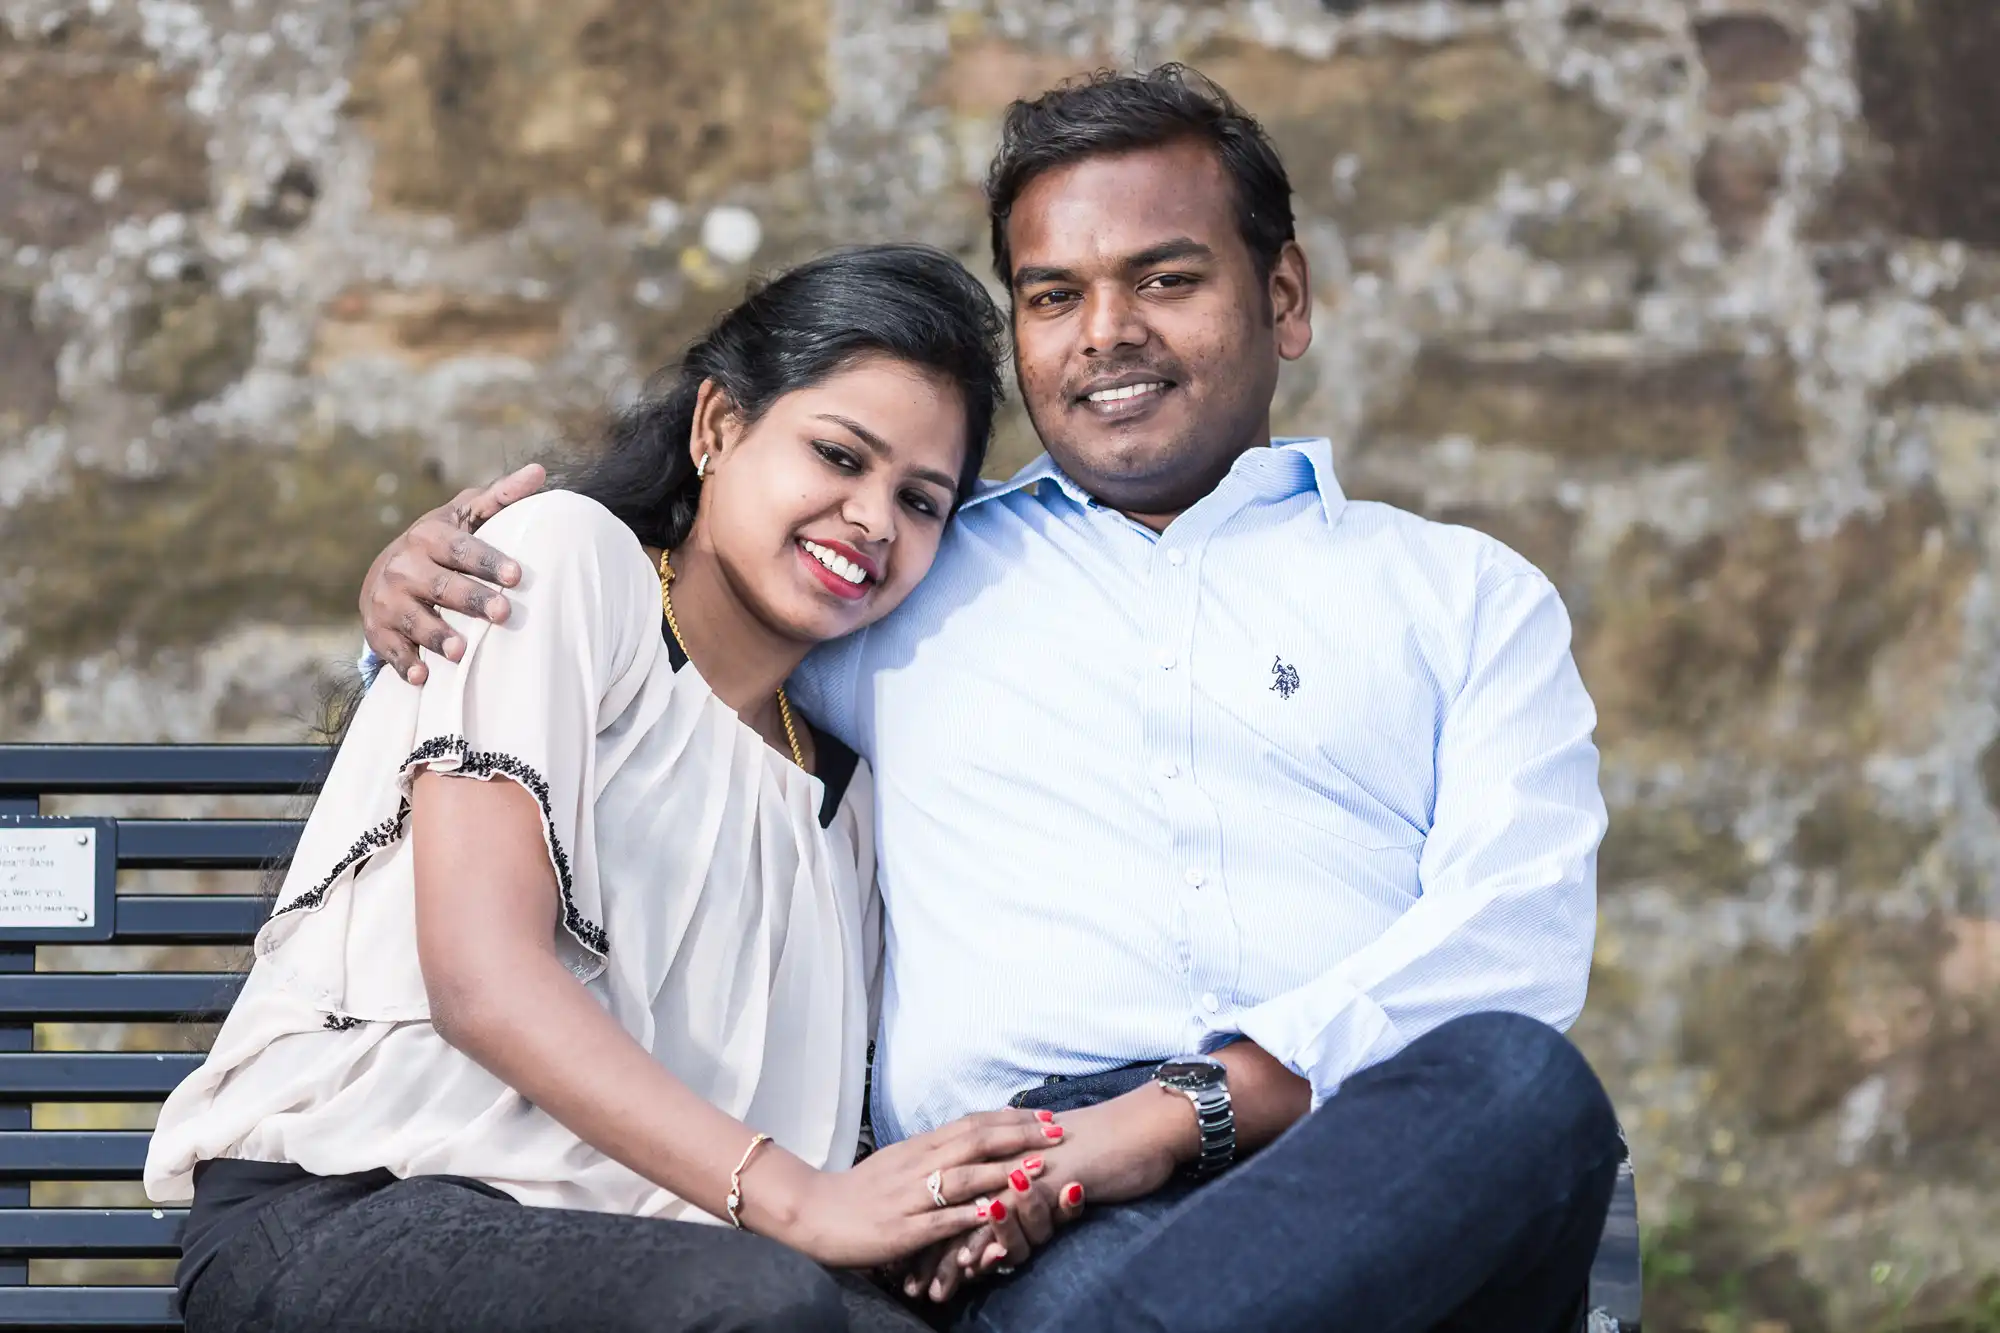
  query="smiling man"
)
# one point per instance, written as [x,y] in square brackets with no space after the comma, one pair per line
[1253,827]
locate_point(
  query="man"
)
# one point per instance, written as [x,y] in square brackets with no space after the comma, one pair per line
[1180,753]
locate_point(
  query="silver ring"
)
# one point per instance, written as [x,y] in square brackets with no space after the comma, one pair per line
[1004,1270]
[935,1183]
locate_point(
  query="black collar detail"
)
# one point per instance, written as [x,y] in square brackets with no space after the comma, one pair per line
[834,760]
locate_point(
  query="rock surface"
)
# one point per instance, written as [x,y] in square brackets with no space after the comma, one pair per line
[1695,302]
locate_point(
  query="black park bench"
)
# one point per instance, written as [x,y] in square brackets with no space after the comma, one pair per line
[58,892]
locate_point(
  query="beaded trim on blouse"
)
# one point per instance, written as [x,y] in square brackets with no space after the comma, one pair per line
[478,764]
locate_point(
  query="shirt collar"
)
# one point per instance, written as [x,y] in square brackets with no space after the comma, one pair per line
[1292,465]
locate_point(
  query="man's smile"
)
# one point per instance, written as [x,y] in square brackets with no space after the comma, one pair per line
[1126,397]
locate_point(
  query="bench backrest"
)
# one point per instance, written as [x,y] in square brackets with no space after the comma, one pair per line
[28,1075]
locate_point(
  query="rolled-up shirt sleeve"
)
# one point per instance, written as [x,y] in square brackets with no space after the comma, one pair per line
[1507,914]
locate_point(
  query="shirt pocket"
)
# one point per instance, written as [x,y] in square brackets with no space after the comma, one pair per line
[1311,793]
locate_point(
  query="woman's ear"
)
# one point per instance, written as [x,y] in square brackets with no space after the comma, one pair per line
[716,424]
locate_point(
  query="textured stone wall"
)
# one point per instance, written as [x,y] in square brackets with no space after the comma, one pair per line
[1696,302]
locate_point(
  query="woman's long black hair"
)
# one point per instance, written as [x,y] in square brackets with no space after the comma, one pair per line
[910,302]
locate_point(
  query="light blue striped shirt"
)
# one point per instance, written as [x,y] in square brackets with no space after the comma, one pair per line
[1309,770]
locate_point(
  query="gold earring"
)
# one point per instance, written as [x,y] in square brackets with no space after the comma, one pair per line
[701,467]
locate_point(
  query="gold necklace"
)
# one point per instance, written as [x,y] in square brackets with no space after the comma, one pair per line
[784,704]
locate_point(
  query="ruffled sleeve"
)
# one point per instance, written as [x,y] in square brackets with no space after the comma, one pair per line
[525,704]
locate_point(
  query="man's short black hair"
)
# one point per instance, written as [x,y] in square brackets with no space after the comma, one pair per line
[1110,112]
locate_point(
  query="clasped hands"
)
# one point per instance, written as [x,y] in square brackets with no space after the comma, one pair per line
[1010,1180]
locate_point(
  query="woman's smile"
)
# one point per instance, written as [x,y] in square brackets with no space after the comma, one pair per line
[839,568]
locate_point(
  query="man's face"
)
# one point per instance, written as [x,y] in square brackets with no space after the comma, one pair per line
[1146,345]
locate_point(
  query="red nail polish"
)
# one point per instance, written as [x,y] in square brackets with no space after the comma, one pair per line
[1019,1180]
[997,1213]
[1046,1117]
[1073,1195]
[1051,1131]
[1032,1164]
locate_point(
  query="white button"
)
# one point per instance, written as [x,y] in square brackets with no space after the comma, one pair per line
[1165,659]
[1195,877]
[1168,769]
[1176,558]
[1210,1003]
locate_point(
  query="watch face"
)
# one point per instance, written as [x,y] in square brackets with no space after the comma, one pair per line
[1191,1072]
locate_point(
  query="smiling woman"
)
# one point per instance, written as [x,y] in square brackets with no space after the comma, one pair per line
[626,975]
[846,405]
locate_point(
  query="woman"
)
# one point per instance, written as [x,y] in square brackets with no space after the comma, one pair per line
[622,974]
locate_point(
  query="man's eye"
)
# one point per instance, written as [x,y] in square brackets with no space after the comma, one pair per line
[1170,280]
[1047,299]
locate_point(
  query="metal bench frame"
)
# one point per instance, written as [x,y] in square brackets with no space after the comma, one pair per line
[28,773]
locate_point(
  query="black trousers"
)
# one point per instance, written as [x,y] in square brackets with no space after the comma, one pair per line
[432,1255]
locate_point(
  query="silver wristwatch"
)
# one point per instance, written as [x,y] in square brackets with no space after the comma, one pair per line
[1205,1083]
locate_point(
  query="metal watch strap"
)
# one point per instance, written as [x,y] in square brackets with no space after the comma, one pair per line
[1215,1117]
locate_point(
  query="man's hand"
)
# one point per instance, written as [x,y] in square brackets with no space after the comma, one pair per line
[426,568]
[1126,1148]
[1115,1152]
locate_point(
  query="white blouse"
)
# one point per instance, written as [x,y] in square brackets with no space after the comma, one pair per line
[703,904]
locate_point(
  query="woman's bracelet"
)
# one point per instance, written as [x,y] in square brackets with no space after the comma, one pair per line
[735,1199]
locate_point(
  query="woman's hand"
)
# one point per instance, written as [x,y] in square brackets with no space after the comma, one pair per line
[1023,1218]
[882,1210]
[1116,1151]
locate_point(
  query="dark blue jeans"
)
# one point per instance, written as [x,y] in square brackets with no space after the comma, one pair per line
[1460,1187]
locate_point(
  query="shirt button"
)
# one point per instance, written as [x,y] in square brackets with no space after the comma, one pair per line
[1165,659]
[1195,877]
[1176,558]
[1210,1003]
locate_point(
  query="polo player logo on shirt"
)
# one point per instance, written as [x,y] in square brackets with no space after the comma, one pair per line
[1285,678]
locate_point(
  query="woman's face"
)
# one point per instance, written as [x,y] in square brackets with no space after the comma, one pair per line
[828,511]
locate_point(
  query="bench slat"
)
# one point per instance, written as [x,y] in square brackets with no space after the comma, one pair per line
[191,918]
[206,844]
[110,1076]
[95,1233]
[133,997]
[175,770]
[88,1307]
[68,1154]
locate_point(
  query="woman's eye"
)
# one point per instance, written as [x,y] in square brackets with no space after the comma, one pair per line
[922,503]
[837,456]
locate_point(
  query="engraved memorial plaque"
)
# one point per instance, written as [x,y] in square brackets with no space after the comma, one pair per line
[57,878]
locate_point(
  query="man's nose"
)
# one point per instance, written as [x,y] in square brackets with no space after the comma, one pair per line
[1111,321]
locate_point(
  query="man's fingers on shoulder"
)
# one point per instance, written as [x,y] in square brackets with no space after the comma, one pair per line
[469,555]
[397,653]
[419,626]
[516,485]
[519,484]
[454,592]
